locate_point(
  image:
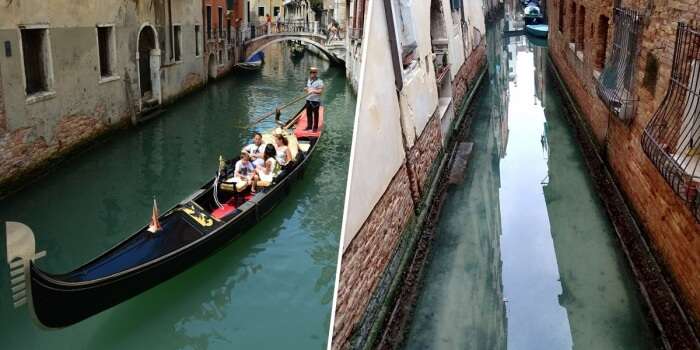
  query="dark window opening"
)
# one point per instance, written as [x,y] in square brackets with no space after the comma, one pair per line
[105,44]
[562,13]
[177,33]
[275,11]
[219,26]
[602,41]
[580,28]
[196,39]
[572,22]
[36,60]
[208,22]
[221,58]
[261,11]
[228,30]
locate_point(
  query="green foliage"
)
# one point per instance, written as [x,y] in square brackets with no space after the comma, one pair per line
[316,5]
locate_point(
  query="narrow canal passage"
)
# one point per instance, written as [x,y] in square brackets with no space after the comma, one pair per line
[524,256]
[270,289]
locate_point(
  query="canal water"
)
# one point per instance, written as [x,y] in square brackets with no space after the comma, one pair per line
[524,256]
[270,289]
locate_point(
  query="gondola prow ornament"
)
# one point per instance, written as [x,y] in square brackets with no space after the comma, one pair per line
[154,226]
[21,252]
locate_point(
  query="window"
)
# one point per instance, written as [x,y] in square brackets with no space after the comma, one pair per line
[177,38]
[196,40]
[405,31]
[615,84]
[220,57]
[580,28]
[261,11]
[36,52]
[220,17]
[601,41]
[562,13]
[208,22]
[228,30]
[672,138]
[572,22]
[106,50]
[275,11]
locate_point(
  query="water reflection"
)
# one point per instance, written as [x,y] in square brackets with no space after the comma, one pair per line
[524,256]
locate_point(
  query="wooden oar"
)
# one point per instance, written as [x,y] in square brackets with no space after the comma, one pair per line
[265,116]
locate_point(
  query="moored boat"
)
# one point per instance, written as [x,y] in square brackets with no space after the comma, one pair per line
[532,14]
[537,30]
[253,63]
[182,236]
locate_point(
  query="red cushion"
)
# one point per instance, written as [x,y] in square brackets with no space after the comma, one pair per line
[301,125]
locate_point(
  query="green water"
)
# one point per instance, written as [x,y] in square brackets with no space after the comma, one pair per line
[524,255]
[270,289]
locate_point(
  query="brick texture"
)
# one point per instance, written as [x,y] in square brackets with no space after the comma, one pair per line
[466,76]
[424,152]
[23,151]
[674,232]
[367,256]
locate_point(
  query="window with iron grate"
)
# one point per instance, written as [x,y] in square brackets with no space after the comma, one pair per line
[672,137]
[616,82]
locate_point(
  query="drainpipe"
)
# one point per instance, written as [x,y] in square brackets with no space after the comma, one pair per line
[393,45]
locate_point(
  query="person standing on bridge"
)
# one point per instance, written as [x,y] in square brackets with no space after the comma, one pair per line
[314,89]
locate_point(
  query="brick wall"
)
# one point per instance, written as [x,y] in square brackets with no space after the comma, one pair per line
[368,255]
[22,152]
[674,232]
[424,152]
[466,76]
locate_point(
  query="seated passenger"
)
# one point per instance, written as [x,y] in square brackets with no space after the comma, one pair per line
[266,173]
[284,155]
[244,173]
[256,149]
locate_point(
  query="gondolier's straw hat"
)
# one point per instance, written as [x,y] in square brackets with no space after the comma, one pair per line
[313,69]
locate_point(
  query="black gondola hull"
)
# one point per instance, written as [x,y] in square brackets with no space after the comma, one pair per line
[58,304]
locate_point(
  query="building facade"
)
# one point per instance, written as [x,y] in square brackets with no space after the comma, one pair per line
[634,68]
[410,98]
[221,35]
[69,71]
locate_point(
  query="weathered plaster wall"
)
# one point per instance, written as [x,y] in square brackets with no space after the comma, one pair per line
[82,105]
[673,230]
[377,152]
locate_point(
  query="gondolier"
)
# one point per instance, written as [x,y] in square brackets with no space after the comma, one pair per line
[314,87]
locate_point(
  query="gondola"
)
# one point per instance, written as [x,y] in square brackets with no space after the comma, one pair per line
[190,231]
[253,63]
[532,14]
[537,30]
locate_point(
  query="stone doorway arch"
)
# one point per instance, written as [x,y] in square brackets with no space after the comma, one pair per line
[148,59]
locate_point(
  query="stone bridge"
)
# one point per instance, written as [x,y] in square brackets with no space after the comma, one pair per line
[334,50]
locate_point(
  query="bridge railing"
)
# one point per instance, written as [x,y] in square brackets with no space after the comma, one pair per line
[253,31]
